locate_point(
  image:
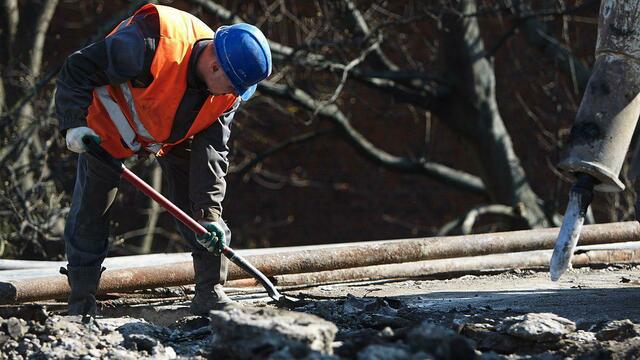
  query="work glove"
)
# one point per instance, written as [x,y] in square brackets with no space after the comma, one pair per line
[213,240]
[74,138]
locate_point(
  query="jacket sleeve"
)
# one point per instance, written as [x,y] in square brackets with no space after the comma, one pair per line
[113,60]
[208,167]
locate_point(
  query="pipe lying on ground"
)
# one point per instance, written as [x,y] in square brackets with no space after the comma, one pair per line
[325,259]
[392,252]
[113,262]
[13,269]
[524,260]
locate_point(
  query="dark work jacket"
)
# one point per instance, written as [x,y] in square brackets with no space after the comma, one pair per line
[127,55]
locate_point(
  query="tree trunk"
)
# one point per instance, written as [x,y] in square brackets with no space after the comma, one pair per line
[472,111]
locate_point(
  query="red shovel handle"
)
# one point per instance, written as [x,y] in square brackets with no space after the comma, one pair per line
[163,201]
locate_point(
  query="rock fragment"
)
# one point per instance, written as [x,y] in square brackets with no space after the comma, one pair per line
[582,336]
[140,342]
[250,332]
[16,328]
[618,330]
[383,352]
[538,326]
[443,343]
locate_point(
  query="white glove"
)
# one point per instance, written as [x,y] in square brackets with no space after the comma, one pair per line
[74,138]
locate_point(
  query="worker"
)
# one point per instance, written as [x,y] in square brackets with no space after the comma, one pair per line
[162,82]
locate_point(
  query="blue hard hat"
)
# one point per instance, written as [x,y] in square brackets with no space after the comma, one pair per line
[244,55]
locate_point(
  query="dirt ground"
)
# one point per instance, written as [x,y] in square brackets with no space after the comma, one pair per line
[581,295]
[588,314]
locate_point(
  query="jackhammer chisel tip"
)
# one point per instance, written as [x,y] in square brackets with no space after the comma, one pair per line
[559,265]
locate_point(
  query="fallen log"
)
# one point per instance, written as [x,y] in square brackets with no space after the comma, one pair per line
[325,259]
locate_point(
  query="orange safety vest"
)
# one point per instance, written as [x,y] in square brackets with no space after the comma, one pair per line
[128,118]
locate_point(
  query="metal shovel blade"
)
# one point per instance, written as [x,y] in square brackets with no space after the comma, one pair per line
[288,302]
[279,299]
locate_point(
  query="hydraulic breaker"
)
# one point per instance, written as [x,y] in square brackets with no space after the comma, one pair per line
[605,122]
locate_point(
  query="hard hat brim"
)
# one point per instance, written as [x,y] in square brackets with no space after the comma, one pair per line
[246,95]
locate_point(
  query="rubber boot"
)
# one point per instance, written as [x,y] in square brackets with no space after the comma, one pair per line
[210,274]
[83,281]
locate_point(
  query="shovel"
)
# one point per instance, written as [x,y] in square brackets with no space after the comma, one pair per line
[102,155]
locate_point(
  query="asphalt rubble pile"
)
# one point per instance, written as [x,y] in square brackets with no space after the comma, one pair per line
[349,328]
[74,337]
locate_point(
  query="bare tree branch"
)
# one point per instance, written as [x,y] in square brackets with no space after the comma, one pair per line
[154,211]
[40,31]
[9,117]
[538,35]
[361,24]
[421,166]
[220,11]
[423,90]
[242,169]
[10,18]
[35,43]
[471,97]
[345,74]
[8,29]
[466,222]
[453,177]
[495,209]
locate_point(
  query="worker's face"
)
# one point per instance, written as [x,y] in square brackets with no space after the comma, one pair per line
[213,75]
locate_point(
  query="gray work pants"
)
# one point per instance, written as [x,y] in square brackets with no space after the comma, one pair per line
[87,227]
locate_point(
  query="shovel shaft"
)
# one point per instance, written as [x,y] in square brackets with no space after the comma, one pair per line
[163,201]
[199,230]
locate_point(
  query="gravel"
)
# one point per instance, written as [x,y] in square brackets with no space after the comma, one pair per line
[344,325]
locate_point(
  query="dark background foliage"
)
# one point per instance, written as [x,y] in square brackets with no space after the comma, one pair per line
[369,101]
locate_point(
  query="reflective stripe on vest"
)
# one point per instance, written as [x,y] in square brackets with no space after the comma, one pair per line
[127,133]
[117,117]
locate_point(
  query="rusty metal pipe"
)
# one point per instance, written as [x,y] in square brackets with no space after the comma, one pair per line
[390,252]
[325,259]
[524,260]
